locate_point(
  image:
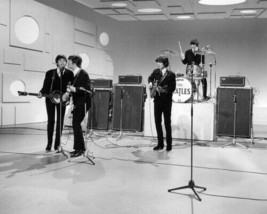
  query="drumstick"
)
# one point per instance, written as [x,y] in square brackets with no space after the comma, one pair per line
[181,51]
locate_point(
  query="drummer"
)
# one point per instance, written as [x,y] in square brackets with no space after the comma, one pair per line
[194,57]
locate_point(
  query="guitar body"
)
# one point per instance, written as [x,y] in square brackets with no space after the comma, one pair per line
[54,96]
[153,90]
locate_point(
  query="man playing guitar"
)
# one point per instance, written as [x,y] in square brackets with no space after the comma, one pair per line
[55,80]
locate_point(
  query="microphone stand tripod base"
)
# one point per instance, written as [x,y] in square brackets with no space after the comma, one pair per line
[120,136]
[85,154]
[234,144]
[191,185]
[64,152]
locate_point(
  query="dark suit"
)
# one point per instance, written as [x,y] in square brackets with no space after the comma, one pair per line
[163,104]
[52,83]
[190,57]
[82,102]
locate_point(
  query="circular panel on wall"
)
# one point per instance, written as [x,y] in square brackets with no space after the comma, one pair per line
[86,60]
[15,86]
[27,30]
[104,39]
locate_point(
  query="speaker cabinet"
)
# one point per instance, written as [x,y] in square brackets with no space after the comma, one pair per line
[100,110]
[128,107]
[234,112]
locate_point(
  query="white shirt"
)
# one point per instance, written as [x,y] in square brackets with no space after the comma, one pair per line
[163,71]
[76,70]
[58,71]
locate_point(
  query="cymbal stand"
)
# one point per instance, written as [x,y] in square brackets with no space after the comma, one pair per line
[191,184]
[121,102]
[234,143]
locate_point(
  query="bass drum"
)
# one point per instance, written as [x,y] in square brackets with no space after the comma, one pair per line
[183,90]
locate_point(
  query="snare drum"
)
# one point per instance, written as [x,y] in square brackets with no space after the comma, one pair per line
[194,70]
[183,91]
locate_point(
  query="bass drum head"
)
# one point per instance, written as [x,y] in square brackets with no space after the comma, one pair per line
[183,90]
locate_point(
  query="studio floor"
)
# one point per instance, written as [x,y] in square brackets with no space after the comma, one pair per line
[128,177]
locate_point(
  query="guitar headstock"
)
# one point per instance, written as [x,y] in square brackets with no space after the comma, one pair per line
[22,93]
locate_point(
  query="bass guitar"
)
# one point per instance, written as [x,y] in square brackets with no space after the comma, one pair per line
[54,96]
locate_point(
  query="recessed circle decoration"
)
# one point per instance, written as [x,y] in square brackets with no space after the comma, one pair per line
[27,30]
[15,86]
[104,39]
[86,60]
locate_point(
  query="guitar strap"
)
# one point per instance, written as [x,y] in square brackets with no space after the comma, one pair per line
[76,77]
[162,78]
[53,78]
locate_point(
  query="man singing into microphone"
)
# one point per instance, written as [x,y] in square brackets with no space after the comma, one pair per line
[81,100]
[55,80]
[193,57]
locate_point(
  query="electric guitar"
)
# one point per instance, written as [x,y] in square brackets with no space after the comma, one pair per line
[54,96]
[153,89]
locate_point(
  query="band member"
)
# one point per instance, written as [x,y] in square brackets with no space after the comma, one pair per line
[194,57]
[80,91]
[165,85]
[55,80]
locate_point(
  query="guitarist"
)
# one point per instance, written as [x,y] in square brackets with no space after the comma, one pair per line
[81,91]
[166,84]
[51,83]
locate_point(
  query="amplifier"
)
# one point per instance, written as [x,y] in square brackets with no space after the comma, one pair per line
[232,81]
[128,79]
[101,83]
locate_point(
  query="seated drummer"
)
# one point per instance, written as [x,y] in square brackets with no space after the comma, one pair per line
[193,56]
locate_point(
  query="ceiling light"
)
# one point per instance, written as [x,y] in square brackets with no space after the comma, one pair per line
[248,11]
[149,10]
[119,4]
[221,2]
[184,17]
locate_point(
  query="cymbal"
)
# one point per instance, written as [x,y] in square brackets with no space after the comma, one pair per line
[199,51]
[208,50]
[169,51]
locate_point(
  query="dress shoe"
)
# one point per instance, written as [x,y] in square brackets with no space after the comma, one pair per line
[169,148]
[158,148]
[48,148]
[71,153]
[77,154]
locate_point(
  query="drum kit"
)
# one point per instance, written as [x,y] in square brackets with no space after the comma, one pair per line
[186,85]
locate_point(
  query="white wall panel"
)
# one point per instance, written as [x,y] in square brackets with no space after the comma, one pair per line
[85,26]
[4,12]
[7,80]
[13,56]
[8,115]
[48,43]
[27,8]
[97,59]
[35,61]
[63,33]
[84,39]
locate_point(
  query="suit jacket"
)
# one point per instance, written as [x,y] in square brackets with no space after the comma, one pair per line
[82,84]
[52,81]
[191,57]
[168,83]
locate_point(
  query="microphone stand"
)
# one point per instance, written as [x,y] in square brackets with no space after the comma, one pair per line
[60,117]
[191,184]
[121,102]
